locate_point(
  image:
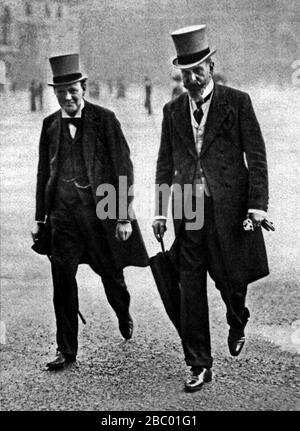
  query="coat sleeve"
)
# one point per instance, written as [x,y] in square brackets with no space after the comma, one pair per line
[43,172]
[255,151]
[122,165]
[164,167]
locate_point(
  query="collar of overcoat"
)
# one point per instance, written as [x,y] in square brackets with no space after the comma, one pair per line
[218,111]
[90,127]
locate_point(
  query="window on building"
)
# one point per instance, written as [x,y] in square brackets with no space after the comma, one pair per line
[47,11]
[5,26]
[28,9]
[59,12]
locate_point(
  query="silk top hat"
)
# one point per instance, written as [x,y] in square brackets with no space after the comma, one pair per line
[191,45]
[65,69]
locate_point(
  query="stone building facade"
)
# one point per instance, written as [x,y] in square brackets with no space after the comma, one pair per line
[257,41]
[31,31]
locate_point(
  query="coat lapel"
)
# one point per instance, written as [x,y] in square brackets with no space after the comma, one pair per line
[182,121]
[89,138]
[218,111]
[54,132]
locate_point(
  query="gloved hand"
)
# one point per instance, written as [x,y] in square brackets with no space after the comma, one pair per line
[38,231]
[123,230]
[159,227]
[256,218]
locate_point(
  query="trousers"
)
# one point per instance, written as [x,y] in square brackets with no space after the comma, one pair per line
[75,232]
[200,254]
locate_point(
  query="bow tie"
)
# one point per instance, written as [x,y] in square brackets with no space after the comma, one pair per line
[75,121]
[198,113]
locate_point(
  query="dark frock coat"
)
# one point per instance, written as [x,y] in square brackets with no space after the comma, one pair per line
[232,134]
[106,156]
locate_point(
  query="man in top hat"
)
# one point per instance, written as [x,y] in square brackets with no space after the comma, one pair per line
[206,133]
[82,147]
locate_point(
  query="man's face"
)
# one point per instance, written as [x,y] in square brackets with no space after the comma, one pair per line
[196,79]
[69,97]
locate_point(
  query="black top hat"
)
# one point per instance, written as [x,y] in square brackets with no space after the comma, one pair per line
[191,45]
[65,69]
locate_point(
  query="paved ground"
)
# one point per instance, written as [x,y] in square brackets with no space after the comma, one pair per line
[147,372]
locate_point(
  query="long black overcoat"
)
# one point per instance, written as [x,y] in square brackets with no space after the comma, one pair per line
[232,134]
[107,157]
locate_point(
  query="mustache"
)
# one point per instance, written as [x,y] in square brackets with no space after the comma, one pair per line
[193,84]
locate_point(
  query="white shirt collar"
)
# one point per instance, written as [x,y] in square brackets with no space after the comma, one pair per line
[208,89]
[78,113]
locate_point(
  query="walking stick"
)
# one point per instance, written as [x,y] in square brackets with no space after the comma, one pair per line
[81,317]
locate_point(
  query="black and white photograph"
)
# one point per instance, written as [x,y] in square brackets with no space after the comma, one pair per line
[149,209]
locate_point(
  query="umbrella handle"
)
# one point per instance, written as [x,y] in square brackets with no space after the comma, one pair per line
[162,243]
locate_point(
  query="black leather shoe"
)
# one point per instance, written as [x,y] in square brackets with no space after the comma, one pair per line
[126,327]
[235,344]
[60,362]
[197,380]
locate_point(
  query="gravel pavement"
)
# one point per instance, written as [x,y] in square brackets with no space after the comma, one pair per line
[147,372]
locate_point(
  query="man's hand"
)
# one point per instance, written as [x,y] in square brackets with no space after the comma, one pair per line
[37,233]
[123,230]
[159,227]
[256,218]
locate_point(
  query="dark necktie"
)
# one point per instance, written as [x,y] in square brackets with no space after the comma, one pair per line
[75,121]
[198,113]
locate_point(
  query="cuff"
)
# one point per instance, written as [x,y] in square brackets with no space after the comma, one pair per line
[261,212]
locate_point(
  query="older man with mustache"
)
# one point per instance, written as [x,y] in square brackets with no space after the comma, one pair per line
[207,133]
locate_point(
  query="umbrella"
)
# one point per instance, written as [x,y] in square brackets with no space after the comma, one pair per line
[166,277]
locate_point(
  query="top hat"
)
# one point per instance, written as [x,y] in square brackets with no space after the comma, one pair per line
[65,69]
[191,45]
